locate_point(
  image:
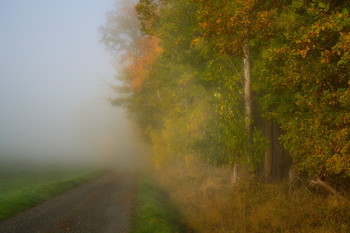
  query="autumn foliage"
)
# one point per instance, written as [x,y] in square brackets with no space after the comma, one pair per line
[184,74]
[196,73]
[138,69]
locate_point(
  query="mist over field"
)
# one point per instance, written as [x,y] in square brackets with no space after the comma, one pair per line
[55,79]
[174,116]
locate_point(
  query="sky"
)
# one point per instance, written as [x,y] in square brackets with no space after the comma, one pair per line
[55,78]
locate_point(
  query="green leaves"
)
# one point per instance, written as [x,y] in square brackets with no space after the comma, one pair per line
[302,87]
[188,91]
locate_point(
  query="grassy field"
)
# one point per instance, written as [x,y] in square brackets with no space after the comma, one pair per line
[153,212]
[22,190]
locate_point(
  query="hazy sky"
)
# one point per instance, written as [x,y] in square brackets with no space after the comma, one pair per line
[54,77]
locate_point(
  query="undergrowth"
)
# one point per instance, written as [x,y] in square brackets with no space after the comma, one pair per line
[209,203]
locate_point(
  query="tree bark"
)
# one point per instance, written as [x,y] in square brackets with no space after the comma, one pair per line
[234,174]
[247,96]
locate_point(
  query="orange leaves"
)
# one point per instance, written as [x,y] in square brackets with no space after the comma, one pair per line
[138,69]
[304,51]
[229,23]
[342,48]
[311,63]
[265,19]
[328,36]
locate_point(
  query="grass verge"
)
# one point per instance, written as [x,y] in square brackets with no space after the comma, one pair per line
[153,212]
[22,191]
[209,203]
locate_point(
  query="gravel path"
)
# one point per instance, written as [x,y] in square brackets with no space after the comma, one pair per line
[101,206]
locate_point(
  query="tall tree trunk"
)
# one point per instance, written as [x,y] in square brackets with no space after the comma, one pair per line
[247,97]
[267,172]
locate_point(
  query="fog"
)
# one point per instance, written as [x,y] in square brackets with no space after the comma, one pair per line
[55,79]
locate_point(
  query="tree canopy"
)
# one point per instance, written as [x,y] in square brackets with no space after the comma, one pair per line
[188,88]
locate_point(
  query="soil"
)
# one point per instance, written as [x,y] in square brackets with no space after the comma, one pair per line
[100,206]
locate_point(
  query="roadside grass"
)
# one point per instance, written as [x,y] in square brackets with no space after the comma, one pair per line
[209,203]
[153,211]
[20,191]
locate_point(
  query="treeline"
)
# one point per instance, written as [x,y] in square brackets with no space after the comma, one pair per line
[260,85]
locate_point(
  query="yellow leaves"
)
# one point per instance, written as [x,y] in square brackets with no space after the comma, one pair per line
[342,48]
[338,163]
[196,41]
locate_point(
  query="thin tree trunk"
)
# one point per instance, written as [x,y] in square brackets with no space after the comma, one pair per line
[234,173]
[247,97]
[293,178]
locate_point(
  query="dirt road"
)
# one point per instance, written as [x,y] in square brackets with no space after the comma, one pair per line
[101,206]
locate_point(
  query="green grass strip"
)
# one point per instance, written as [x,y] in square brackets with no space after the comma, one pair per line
[153,213]
[16,201]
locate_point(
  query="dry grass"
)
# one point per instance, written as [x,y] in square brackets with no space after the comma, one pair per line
[208,202]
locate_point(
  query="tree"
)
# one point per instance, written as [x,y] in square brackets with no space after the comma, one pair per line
[122,29]
[208,79]
[307,91]
[233,25]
